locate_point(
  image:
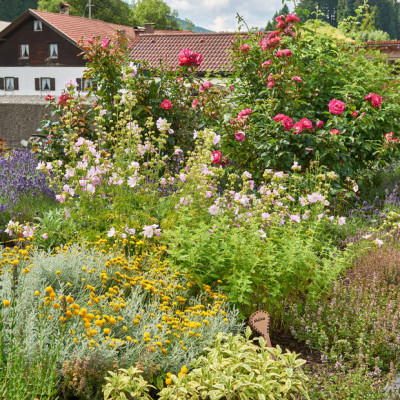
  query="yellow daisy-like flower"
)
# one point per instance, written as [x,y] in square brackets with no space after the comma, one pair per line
[6,303]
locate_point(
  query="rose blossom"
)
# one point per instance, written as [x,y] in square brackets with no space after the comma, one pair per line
[287,123]
[336,106]
[265,64]
[297,79]
[166,104]
[189,57]
[216,157]
[245,48]
[283,53]
[239,135]
[389,136]
[319,124]
[335,131]
[244,113]
[354,114]
[374,98]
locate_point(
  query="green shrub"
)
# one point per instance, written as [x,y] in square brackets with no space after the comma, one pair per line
[235,368]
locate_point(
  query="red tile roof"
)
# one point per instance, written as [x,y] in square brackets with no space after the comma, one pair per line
[74,28]
[165,48]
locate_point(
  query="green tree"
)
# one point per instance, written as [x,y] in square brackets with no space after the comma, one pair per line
[115,11]
[157,12]
[271,25]
[10,10]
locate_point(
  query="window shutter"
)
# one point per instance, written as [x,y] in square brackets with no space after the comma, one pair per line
[52,84]
[37,83]
[1,83]
[16,84]
[79,82]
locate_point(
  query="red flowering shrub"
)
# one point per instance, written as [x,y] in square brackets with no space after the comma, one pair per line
[307,102]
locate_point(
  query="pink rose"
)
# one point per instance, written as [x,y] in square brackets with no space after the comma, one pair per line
[292,18]
[297,79]
[283,53]
[287,123]
[266,64]
[374,98]
[239,135]
[279,117]
[205,86]
[271,83]
[166,104]
[306,123]
[389,136]
[335,131]
[189,57]
[216,157]
[244,113]
[354,113]
[105,43]
[298,127]
[195,103]
[319,124]
[245,48]
[336,106]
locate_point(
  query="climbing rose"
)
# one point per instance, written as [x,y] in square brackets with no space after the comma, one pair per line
[216,157]
[336,106]
[245,48]
[189,57]
[244,113]
[292,18]
[374,98]
[265,64]
[166,104]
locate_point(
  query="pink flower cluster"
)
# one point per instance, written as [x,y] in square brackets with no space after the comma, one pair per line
[205,86]
[283,53]
[272,41]
[189,57]
[299,126]
[336,106]
[375,99]
[244,113]
[286,121]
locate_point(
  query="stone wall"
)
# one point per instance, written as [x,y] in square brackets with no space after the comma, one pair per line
[20,116]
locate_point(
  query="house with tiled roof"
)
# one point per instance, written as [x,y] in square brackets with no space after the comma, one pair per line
[39,51]
[391,48]
[164,49]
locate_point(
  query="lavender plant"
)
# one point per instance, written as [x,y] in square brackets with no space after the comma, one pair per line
[24,191]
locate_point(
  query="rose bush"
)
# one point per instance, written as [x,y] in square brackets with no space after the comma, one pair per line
[307,101]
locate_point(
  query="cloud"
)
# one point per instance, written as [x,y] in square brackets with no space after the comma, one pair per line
[220,15]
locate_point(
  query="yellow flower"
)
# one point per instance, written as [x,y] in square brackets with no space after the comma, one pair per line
[168,381]
[107,331]
[37,293]
[6,303]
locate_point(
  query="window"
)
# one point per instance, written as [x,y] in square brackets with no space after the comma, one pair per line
[86,84]
[24,50]
[53,50]
[45,84]
[37,25]
[9,84]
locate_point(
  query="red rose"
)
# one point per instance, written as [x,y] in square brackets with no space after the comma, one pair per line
[287,123]
[216,157]
[189,57]
[319,124]
[239,135]
[166,104]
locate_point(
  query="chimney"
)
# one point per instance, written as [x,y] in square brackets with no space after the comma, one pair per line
[64,8]
[149,28]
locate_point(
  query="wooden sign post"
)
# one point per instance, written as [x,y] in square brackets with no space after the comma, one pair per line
[259,322]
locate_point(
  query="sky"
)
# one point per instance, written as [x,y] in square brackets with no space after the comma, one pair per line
[220,15]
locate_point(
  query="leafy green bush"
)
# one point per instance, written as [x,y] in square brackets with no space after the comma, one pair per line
[235,368]
[289,80]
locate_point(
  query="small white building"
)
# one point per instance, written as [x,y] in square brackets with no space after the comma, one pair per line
[39,51]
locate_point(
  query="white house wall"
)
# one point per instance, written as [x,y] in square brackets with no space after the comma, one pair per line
[26,79]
